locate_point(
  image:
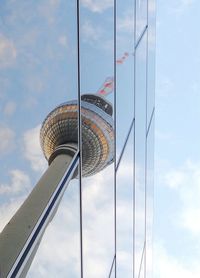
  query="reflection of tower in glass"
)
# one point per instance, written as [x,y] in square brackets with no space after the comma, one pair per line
[21,237]
[61,128]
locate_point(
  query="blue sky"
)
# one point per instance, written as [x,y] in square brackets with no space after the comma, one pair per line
[37,67]
[177,139]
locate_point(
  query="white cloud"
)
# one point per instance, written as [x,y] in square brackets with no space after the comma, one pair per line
[152,7]
[7,137]
[175,178]
[90,32]
[125,262]
[186,182]
[98,223]
[165,136]
[169,266]
[48,10]
[181,6]
[9,108]
[62,40]
[32,149]
[19,182]
[126,24]
[8,52]
[96,36]
[165,87]
[190,221]
[96,5]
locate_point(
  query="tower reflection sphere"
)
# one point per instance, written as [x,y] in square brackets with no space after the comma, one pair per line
[61,127]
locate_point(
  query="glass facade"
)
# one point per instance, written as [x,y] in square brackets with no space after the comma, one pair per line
[103,226]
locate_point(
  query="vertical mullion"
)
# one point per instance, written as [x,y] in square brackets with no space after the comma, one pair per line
[147,48]
[79,136]
[115,133]
[134,141]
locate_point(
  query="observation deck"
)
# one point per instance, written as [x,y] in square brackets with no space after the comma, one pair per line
[61,127]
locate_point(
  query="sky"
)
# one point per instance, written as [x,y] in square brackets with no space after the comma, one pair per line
[177,136]
[38,59]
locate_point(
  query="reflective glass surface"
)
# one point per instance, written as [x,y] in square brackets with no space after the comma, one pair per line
[112,273]
[140,149]
[149,199]
[125,70]
[125,212]
[58,254]
[141,17]
[151,60]
[98,223]
[142,269]
[97,68]
[39,70]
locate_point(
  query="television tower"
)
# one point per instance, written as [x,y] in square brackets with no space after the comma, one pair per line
[21,237]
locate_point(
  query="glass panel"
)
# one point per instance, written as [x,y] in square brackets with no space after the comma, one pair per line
[140,145]
[112,274]
[97,61]
[38,69]
[98,223]
[125,195]
[59,252]
[141,17]
[151,60]
[142,268]
[149,199]
[125,70]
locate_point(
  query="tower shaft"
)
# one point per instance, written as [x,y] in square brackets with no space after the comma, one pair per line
[20,238]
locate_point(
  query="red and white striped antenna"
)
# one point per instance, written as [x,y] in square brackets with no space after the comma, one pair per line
[108,85]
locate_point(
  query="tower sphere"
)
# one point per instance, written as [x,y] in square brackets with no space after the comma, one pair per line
[61,127]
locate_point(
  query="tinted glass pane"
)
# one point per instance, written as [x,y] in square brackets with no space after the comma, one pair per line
[151,60]
[98,223]
[141,16]
[149,199]
[125,195]
[140,145]
[142,269]
[125,70]
[59,252]
[112,273]
[97,62]
[38,71]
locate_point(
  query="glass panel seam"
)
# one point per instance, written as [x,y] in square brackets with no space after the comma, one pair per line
[145,224]
[142,259]
[111,268]
[134,206]
[79,135]
[115,133]
[125,143]
[141,36]
[151,118]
